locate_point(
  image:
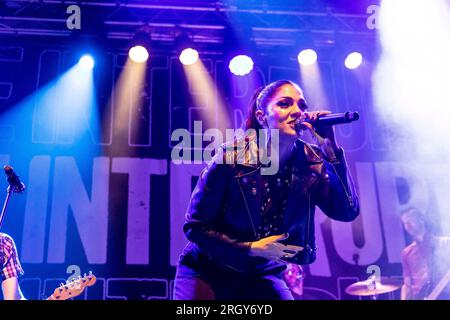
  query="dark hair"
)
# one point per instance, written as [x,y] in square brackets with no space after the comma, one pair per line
[417,214]
[259,101]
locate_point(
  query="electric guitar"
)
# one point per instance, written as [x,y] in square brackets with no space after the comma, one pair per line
[439,287]
[73,288]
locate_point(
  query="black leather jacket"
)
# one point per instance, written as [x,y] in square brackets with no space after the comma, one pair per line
[225,207]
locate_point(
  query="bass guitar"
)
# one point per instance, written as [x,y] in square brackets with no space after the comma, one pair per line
[73,288]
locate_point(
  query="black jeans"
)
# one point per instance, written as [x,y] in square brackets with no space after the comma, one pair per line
[199,278]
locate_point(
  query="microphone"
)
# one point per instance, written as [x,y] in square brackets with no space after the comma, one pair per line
[333,119]
[14,182]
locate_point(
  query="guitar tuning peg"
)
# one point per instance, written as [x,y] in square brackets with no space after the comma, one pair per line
[61,284]
[67,281]
[90,272]
[84,275]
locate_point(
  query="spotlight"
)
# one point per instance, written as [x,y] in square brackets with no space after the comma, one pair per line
[241,65]
[188,56]
[307,57]
[353,60]
[138,54]
[185,48]
[140,45]
[87,62]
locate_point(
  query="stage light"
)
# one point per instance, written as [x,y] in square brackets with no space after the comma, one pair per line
[185,48]
[138,54]
[353,60]
[241,65]
[87,62]
[188,56]
[307,57]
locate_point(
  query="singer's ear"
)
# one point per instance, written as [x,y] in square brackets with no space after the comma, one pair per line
[260,116]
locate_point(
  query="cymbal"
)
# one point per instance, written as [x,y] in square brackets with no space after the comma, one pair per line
[372,288]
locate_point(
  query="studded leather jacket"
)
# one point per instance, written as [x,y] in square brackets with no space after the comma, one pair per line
[225,208]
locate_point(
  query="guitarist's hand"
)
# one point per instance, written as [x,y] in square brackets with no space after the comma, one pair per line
[272,249]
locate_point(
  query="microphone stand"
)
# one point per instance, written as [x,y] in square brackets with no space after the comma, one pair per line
[16,186]
[5,205]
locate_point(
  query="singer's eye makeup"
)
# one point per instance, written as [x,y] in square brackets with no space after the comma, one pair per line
[302,105]
[285,102]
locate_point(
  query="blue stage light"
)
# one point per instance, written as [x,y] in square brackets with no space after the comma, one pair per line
[87,62]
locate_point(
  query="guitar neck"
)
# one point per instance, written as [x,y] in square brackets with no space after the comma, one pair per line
[439,287]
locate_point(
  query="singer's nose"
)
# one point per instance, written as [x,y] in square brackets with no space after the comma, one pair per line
[297,112]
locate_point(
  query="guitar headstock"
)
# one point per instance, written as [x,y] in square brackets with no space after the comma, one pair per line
[73,288]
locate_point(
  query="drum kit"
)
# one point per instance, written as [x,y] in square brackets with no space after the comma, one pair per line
[372,287]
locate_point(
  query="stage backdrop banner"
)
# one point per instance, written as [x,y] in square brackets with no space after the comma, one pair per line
[103,193]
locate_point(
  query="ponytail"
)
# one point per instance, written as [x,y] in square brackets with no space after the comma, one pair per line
[252,122]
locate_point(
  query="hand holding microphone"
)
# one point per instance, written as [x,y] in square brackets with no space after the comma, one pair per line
[320,125]
[326,118]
